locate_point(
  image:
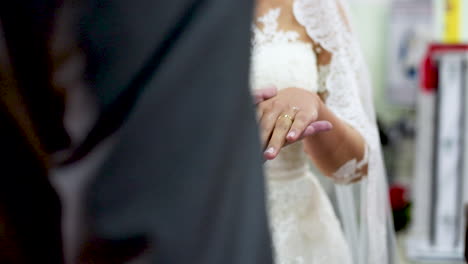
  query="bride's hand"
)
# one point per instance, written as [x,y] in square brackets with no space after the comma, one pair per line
[288,117]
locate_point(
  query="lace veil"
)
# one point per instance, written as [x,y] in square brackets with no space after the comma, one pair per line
[364,207]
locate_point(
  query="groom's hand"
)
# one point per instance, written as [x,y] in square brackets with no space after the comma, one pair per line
[264,94]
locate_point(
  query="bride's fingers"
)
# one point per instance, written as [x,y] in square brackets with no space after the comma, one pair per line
[312,129]
[267,123]
[317,127]
[278,138]
[301,121]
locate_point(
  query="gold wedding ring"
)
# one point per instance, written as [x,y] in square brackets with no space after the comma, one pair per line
[286,116]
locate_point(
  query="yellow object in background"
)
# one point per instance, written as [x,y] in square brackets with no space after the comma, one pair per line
[450,21]
[453,21]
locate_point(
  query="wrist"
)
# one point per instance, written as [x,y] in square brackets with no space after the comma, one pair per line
[321,108]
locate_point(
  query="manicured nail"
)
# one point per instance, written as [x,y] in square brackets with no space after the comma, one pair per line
[291,134]
[309,130]
[270,151]
[324,126]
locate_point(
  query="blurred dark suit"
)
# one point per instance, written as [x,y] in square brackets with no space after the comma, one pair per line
[184,180]
[31,113]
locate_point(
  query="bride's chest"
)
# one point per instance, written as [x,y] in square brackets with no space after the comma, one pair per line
[286,19]
[280,57]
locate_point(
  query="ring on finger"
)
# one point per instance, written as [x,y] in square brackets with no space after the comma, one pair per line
[287,117]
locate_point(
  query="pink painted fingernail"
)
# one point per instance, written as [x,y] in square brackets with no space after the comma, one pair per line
[324,126]
[270,151]
[292,134]
[310,130]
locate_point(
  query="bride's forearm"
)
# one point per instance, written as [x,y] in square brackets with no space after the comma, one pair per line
[333,149]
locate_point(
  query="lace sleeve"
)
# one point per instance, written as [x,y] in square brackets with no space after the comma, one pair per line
[350,98]
[327,26]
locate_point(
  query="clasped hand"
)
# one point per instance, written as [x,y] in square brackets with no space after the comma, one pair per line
[287,116]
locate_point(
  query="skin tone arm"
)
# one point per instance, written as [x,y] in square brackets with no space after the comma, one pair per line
[284,117]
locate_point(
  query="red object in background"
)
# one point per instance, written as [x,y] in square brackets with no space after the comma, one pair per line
[429,72]
[398,197]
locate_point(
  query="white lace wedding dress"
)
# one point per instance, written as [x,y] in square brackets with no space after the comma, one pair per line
[304,226]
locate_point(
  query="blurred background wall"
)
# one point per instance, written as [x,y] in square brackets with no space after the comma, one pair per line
[395,36]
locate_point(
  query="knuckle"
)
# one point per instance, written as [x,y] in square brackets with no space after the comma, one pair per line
[298,124]
[314,113]
[270,118]
[300,118]
[278,104]
[265,106]
[295,109]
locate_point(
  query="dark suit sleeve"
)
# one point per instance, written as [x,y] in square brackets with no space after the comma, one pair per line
[29,29]
[185,174]
[31,125]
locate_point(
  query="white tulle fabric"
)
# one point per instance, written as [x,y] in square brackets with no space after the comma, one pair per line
[327,22]
[305,228]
